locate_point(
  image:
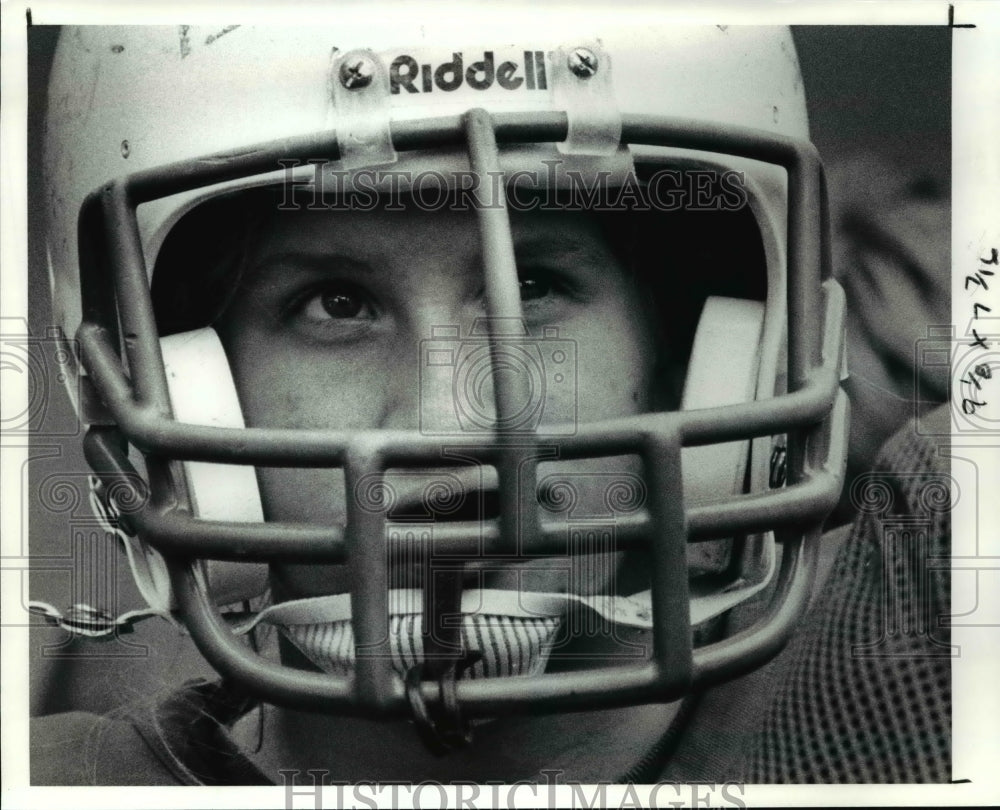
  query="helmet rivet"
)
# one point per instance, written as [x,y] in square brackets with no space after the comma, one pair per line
[126,149]
[582,62]
[356,72]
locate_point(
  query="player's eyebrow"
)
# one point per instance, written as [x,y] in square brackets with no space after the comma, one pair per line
[313,262]
[560,246]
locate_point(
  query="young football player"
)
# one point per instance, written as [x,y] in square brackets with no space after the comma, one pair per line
[467,386]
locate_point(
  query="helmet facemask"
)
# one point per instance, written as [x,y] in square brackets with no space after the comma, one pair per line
[682,646]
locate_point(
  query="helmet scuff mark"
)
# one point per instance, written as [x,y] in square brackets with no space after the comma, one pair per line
[212,37]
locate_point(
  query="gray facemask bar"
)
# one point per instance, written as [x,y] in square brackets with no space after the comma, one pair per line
[813,414]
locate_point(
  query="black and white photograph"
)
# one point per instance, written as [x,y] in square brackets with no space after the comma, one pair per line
[494,404]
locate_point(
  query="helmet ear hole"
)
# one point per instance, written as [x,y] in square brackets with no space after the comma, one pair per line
[202,392]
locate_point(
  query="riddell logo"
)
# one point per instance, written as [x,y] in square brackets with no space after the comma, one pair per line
[406,73]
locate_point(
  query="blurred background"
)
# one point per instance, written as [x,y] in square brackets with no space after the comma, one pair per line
[880,114]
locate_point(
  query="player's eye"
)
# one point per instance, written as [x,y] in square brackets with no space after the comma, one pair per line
[543,282]
[339,302]
[534,285]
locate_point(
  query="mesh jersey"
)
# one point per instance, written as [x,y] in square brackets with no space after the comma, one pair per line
[867,696]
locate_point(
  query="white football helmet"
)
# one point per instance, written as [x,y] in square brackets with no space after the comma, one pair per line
[148,124]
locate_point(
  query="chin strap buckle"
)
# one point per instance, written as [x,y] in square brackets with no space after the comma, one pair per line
[440,725]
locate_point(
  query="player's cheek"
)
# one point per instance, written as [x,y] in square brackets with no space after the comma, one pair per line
[614,373]
[315,496]
[285,382]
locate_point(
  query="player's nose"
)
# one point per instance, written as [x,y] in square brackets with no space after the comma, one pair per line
[441,378]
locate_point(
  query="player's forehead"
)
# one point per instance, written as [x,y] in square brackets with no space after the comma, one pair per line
[401,230]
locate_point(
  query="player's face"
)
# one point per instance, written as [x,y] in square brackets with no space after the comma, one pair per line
[326,331]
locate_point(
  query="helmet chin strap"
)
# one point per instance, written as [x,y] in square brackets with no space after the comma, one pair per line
[512,631]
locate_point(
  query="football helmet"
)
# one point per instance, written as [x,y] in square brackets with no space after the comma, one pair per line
[148,125]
